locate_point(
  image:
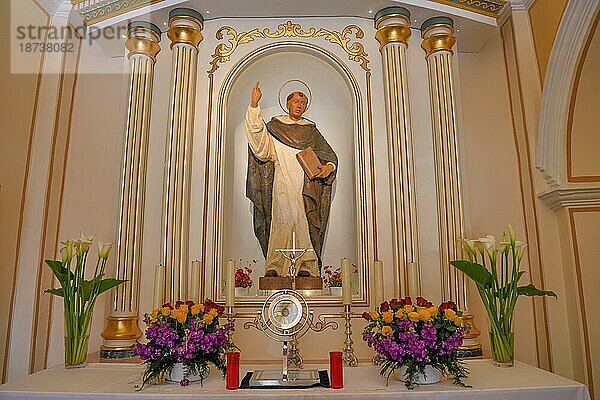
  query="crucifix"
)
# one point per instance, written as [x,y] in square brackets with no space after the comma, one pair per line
[293,255]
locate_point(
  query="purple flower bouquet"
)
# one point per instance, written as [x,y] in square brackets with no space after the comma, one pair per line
[414,336]
[189,334]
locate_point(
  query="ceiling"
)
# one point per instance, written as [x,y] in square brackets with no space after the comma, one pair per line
[472,29]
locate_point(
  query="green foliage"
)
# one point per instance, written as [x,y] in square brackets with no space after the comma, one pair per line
[531,290]
[79,294]
[494,267]
[478,274]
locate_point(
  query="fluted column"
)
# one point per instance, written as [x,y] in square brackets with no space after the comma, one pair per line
[393,31]
[185,27]
[438,40]
[122,328]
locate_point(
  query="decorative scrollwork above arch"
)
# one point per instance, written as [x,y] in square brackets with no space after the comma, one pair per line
[354,49]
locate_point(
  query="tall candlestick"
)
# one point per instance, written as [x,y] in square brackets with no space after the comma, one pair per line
[230,283]
[378,269]
[159,286]
[346,282]
[195,281]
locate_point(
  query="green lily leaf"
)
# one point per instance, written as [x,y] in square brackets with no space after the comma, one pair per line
[477,272]
[531,290]
[87,286]
[56,292]
[63,274]
[109,283]
[503,292]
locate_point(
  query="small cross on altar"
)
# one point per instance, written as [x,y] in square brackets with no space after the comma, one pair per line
[293,255]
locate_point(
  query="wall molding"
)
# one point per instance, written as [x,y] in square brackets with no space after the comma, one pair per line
[521,5]
[571,197]
[572,32]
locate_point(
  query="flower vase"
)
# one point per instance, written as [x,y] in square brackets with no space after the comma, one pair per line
[77,336]
[76,349]
[242,292]
[429,376]
[503,348]
[335,291]
[181,372]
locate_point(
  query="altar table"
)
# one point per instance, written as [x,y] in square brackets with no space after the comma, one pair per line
[108,381]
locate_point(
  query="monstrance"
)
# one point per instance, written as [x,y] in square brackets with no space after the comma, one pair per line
[285,317]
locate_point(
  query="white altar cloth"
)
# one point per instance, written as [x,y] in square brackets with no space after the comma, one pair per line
[108,381]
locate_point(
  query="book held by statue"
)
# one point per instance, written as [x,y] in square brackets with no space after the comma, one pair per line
[309,162]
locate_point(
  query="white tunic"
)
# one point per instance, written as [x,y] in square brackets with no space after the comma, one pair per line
[288,213]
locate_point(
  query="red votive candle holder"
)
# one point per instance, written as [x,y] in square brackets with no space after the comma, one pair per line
[233,370]
[336,370]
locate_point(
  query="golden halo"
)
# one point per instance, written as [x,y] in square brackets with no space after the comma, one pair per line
[293,85]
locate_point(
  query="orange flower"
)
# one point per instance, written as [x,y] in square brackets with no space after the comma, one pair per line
[387,317]
[450,314]
[155,313]
[400,313]
[414,316]
[166,311]
[208,318]
[197,308]
[424,314]
[213,312]
[374,314]
[386,330]
[409,308]
[179,315]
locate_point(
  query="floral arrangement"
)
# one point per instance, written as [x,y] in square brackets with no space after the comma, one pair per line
[188,333]
[79,294]
[494,267]
[242,276]
[416,335]
[332,278]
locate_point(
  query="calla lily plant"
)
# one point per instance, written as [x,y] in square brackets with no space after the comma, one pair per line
[79,294]
[494,267]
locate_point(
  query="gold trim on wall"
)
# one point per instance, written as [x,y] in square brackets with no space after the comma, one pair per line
[580,292]
[526,181]
[355,50]
[571,178]
[22,206]
[490,8]
[222,54]
[44,277]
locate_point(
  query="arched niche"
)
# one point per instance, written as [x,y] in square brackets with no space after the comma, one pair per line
[336,107]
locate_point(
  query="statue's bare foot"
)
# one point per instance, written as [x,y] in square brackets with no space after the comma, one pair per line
[304,273]
[271,273]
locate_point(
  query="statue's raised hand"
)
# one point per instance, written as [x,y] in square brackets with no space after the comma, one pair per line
[256,95]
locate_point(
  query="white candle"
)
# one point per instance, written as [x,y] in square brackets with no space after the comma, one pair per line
[159,286]
[346,282]
[195,281]
[413,280]
[230,283]
[294,240]
[378,282]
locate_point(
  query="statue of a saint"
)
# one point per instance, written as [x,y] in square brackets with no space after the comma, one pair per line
[285,199]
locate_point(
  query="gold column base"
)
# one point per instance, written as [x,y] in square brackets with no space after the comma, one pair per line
[471,347]
[120,333]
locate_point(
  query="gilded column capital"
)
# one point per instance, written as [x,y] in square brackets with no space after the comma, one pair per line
[185,26]
[393,26]
[438,35]
[143,38]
